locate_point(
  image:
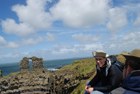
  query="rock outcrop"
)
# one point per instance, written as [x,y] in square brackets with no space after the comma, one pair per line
[37,63]
[24,64]
[0,73]
[33,82]
[69,77]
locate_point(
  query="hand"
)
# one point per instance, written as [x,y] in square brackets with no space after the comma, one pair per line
[86,88]
[91,89]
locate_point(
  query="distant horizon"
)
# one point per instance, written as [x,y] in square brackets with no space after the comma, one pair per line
[55,59]
[49,60]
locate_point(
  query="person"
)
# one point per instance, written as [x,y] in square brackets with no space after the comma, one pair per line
[108,76]
[131,72]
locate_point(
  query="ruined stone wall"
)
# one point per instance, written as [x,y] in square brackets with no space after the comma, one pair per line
[24,64]
[37,63]
[34,82]
[0,73]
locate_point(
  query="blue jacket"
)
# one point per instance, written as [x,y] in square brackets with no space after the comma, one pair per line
[132,83]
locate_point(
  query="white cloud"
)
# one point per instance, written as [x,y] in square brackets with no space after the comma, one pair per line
[31,41]
[2,52]
[10,45]
[11,27]
[131,36]
[128,42]
[87,38]
[32,18]
[113,37]
[117,19]
[61,50]
[7,45]
[137,21]
[2,40]
[34,14]
[70,46]
[81,13]
[17,44]
[51,37]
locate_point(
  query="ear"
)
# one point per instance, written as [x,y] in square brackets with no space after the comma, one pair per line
[129,69]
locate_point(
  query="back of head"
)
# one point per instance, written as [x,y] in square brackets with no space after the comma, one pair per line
[133,59]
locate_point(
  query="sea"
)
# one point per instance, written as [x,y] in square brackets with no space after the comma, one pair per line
[48,64]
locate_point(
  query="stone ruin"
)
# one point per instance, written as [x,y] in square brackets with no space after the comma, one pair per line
[37,63]
[0,73]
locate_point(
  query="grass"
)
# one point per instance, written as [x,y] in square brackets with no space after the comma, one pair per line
[81,88]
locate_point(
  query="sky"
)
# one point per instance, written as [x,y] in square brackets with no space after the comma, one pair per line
[59,29]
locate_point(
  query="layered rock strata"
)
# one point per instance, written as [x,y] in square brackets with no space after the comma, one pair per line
[34,82]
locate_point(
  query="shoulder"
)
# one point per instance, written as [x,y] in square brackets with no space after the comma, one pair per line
[114,69]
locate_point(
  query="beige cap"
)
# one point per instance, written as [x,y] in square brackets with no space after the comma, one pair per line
[99,53]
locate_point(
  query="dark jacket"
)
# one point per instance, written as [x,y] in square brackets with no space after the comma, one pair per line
[132,83]
[110,81]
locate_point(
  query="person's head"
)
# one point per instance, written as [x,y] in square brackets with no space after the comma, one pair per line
[132,62]
[100,57]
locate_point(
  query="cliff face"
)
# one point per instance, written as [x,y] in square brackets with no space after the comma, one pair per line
[33,82]
[38,81]
[70,76]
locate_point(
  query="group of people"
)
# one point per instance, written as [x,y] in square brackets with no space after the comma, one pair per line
[110,74]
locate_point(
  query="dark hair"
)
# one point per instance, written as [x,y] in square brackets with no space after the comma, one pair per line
[133,64]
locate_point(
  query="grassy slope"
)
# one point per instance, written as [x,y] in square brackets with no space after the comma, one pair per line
[81,67]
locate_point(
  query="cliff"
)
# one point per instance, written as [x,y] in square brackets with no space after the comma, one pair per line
[28,82]
[70,76]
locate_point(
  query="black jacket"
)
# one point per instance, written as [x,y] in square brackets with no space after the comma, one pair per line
[109,82]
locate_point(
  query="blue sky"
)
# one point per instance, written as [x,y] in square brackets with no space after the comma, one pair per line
[58,29]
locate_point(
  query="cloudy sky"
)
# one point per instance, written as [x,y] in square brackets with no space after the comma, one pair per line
[58,29]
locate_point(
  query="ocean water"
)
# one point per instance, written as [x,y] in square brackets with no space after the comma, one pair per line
[50,65]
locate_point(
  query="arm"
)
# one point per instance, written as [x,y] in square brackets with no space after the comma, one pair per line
[95,80]
[114,79]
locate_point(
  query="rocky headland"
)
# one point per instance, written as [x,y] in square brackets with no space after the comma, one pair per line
[70,79]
